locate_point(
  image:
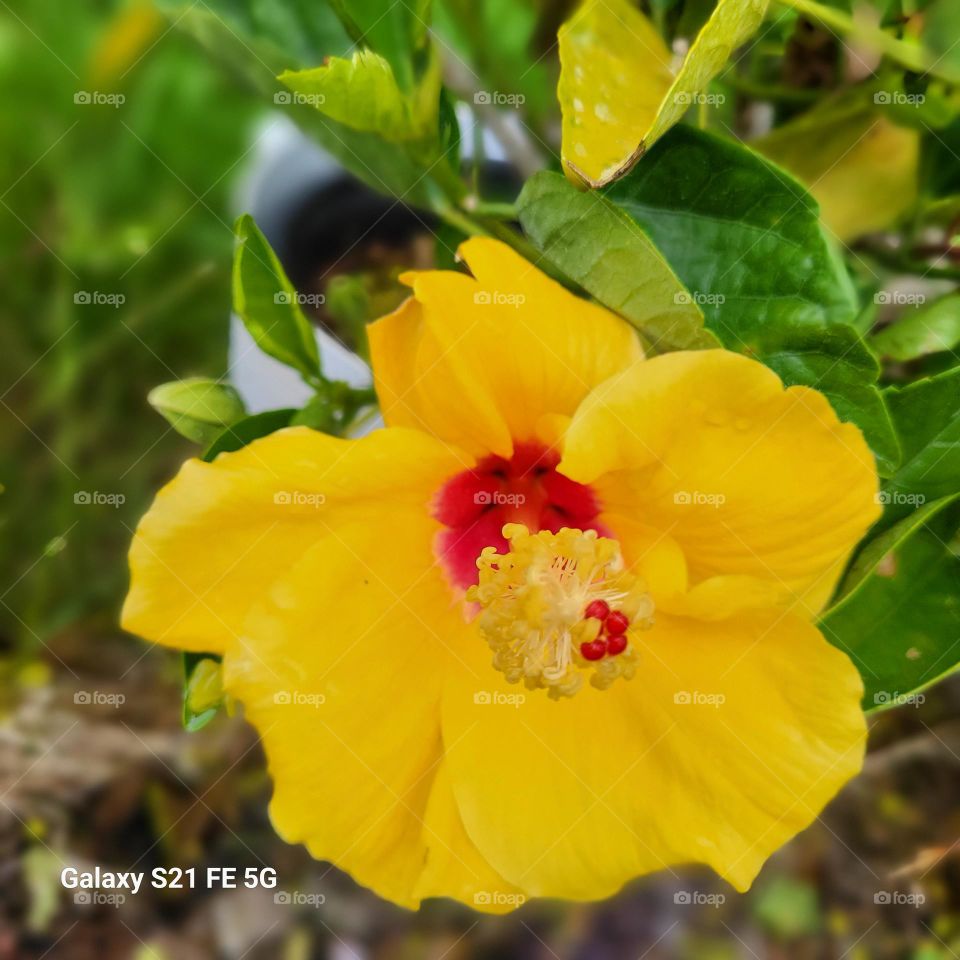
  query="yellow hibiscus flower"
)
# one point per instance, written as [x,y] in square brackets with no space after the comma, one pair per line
[550,628]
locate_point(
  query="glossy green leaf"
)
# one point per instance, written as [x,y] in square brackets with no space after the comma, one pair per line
[922,330]
[619,91]
[247,430]
[744,239]
[268,304]
[898,612]
[741,234]
[198,408]
[927,417]
[595,243]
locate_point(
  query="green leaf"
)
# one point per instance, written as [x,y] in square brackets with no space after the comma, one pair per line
[928,329]
[268,303]
[927,417]
[396,31]
[744,239]
[399,142]
[898,615]
[941,29]
[197,408]
[259,40]
[618,90]
[362,93]
[247,430]
[595,243]
[333,408]
[741,233]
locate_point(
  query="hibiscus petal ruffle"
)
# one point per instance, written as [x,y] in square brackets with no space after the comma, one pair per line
[487,360]
[728,741]
[340,669]
[220,533]
[748,478]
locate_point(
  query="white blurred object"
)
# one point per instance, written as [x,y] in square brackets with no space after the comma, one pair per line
[266,384]
[286,167]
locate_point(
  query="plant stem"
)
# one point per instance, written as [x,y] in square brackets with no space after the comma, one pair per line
[911,55]
[762,91]
[904,264]
[460,220]
[495,211]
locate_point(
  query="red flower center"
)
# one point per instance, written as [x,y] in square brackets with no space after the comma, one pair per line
[475,504]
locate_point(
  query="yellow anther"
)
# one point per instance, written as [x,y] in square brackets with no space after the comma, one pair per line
[534,600]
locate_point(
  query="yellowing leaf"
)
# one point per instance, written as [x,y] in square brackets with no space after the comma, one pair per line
[362,93]
[860,167]
[619,89]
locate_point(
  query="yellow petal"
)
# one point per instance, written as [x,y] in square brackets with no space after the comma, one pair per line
[728,741]
[749,479]
[455,868]
[340,670]
[484,360]
[618,91]
[220,533]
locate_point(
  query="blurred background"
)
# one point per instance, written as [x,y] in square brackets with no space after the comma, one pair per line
[125,154]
